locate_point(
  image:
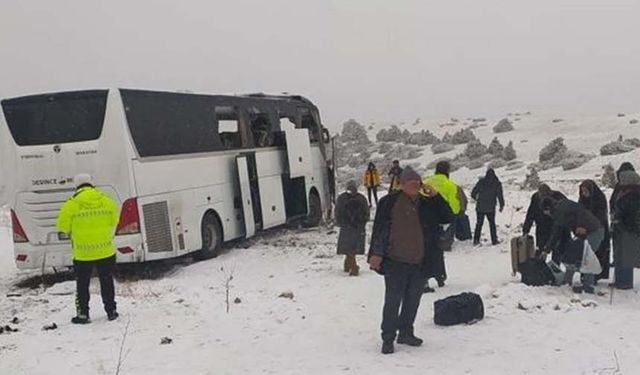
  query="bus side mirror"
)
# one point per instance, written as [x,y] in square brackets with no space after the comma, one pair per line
[326,138]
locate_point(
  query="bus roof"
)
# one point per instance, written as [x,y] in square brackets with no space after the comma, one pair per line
[285,97]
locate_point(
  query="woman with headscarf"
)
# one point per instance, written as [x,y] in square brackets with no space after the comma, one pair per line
[352,215]
[594,200]
[625,208]
[487,193]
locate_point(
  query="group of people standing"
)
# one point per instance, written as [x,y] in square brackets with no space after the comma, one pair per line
[561,223]
[418,219]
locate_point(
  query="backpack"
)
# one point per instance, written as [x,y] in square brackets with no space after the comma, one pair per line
[458,309]
[535,272]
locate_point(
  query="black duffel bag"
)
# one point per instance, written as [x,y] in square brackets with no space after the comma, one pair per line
[459,309]
[536,272]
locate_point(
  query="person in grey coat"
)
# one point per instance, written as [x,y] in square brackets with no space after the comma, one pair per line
[487,193]
[626,228]
[352,215]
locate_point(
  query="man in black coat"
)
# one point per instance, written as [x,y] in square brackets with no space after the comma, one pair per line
[404,246]
[543,222]
[487,193]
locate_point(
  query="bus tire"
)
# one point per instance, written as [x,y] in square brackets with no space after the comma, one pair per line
[315,211]
[211,237]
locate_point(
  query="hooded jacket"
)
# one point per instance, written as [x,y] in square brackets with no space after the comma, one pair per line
[89,218]
[446,188]
[488,192]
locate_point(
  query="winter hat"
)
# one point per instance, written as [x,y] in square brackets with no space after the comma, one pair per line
[629,178]
[352,186]
[408,174]
[82,179]
[443,167]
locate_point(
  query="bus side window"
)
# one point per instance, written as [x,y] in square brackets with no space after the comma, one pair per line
[229,127]
[261,129]
[308,122]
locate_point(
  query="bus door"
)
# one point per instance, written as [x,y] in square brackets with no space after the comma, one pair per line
[245,195]
[298,151]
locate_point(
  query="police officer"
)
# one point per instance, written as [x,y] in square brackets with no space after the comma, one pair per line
[89,218]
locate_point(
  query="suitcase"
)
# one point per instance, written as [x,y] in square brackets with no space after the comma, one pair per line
[463,228]
[459,309]
[522,249]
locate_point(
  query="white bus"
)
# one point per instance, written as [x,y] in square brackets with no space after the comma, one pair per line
[189,171]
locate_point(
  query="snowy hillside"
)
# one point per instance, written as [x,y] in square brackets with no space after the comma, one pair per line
[531,133]
[293,311]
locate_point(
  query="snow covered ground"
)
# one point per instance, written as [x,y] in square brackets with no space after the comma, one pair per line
[331,325]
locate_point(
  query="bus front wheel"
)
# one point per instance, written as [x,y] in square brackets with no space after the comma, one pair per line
[315,211]
[211,237]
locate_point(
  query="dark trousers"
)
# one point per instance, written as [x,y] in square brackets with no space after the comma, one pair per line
[491,217]
[373,190]
[83,271]
[403,288]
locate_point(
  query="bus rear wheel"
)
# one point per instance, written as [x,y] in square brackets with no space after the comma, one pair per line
[315,211]
[211,238]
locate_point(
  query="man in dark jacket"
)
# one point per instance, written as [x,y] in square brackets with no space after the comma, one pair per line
[403,247]
[487,193]
[543,223]
[394,176]
[571,216]
[352,214]
[594,200]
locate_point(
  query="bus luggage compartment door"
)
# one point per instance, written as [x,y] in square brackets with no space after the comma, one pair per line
[245,195]
[298,152]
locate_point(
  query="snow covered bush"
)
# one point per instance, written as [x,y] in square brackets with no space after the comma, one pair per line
[609,178]
[447,138]
[635,142]
[475,149]
[574,159]
[441,148]
[422,138]
[532,180]
[633,122]
[615,148]
[462,136]
[555,149]
[509,152]
[495,147]
[352,131]
[393,134]
[503,126]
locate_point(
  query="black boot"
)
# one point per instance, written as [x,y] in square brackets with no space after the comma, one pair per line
[387,347]
[81,319]
[112,315]
[410,340]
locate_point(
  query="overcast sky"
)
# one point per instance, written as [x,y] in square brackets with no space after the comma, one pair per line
[366,59]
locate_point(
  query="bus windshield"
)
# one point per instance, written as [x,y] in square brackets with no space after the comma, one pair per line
[56,118]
